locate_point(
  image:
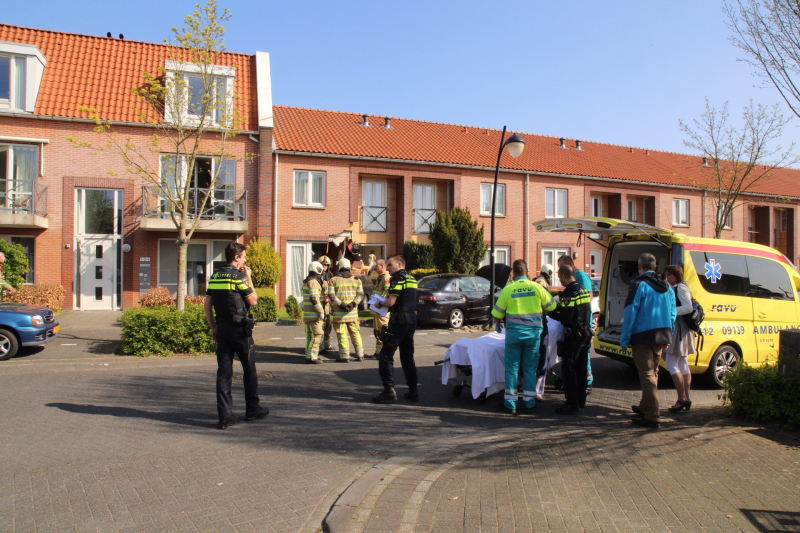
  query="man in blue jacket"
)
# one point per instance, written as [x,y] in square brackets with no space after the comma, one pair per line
[647,328]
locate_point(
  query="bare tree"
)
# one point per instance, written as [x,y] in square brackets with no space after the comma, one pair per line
[768,32]
[740,157]
[188,101]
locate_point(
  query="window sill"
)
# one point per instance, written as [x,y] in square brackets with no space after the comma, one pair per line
[563,216]
[303,206]
[680,225]
[488,215]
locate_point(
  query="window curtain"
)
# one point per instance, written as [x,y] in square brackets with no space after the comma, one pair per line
[24,169]
[296,289]
[500,204]
[562,203]
[301,188]
[19,83]
[486,198]
[317,188]
[168,265]
[5,78]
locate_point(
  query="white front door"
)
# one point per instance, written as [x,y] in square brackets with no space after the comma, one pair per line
[98,273]
[300,255]
[550,256]
[596,262]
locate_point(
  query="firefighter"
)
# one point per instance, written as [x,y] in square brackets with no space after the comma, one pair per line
[381,284]
[345,292]
[522,303]
[314,293]
[328,325]
[574,311]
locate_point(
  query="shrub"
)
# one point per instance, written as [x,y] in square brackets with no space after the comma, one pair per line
[266,310]
[49,295]
[420,273]
[457,242]
[16,266]
[293,308]
[418,255]
[265,263]
[762,394]
[165,330]
[157,296]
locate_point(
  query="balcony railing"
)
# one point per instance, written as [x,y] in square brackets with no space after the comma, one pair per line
[423,219]
[25,197]
[223,204]
[373,219]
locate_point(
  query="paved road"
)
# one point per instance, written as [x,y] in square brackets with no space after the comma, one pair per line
[93,442]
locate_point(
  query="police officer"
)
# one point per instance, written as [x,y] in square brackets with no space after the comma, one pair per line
[586,282]
[522,303]
[345,292]
[328,326]
[230,296]
[381,286]
[574,311]
[314,293]
[402,299]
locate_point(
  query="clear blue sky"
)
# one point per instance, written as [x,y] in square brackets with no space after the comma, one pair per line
[619,72]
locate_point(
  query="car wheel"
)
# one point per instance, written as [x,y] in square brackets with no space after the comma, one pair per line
[725,358]
[9,345]
[594,323]
[456,319]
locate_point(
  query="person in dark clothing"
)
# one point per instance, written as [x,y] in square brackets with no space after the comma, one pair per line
[402,299]
[229,296]
[574,311]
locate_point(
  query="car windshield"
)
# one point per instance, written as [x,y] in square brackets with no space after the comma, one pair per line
[433,284]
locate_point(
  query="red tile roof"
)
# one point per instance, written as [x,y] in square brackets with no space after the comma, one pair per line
[332,132]
[99,72]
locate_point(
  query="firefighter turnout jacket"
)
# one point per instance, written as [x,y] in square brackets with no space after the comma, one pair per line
[314,294]
[523,302]
[381,284]
[344,289]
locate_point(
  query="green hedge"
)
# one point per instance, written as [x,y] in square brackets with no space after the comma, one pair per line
[762,394]
[420,273]
[293,308]
[266,310]
[165,331]
[418,255]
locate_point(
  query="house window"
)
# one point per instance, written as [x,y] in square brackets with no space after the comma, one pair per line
[373,206]
[631,210]
[784,220]
[424,207]
[211,100]
[223,203]
[201,92]
[486,199]
[555,203]
[12,82]
[18,171]
[309,188]
[502,255]
[27,244]
[680,212]
[728,221]
[596,206]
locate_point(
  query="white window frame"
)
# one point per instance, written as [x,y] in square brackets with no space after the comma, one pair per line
[677,211]
[374,200]
[486,194]
[555,192]
[631,210]
[728,224]
[33,62]
[596,206]
[308,203]
[186,70]
[417,227]
[498,250]
[555,252]
[783,221]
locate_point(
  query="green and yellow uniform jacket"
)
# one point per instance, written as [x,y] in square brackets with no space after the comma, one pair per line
[228,288]
[314,294]
[523,303]
[343,289]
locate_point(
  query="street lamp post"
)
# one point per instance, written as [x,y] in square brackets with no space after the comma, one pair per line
[515,145]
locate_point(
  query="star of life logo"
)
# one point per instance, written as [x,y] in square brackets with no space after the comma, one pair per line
[713,271]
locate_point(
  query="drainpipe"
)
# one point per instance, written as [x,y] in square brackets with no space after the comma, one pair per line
[705,194]
[275,208]
[527,219]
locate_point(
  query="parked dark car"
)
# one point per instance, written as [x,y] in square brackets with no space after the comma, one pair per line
[452,299]
[24,325]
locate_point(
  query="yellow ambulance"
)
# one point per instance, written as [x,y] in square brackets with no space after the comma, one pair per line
[749,292]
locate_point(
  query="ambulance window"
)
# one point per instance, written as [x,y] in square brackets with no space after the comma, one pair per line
[769,279]
[722,273]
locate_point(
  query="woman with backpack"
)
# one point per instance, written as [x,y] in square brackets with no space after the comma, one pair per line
[683,339]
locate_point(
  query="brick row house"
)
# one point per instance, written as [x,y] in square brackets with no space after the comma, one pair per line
[304,177]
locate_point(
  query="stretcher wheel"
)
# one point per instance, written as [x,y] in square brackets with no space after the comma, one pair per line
[457,390]
[558,383]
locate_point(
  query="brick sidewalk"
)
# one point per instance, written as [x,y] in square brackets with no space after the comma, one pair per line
[700,473]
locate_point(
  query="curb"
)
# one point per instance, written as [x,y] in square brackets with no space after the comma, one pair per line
[47,366]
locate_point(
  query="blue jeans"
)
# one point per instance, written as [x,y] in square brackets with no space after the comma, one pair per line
[522,348]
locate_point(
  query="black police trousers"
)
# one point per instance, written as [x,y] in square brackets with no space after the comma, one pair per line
[232,342]
[398,336]
[574,355]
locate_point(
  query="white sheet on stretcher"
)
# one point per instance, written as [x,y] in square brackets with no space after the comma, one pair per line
[555,333]
[487,356]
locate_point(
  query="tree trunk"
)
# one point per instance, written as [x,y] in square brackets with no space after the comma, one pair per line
[180,300]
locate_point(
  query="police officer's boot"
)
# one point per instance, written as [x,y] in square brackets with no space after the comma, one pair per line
[388,395]
[412,394]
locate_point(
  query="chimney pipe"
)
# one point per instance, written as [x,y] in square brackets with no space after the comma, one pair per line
[577,144]
[108,34]
[366,121]
[705,161]
[562,143]
[388,124]
[121,36]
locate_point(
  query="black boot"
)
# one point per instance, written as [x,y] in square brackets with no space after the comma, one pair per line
[412,394]
[388,395]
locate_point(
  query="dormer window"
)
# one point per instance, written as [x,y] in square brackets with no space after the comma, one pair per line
[198,92]
[21,69]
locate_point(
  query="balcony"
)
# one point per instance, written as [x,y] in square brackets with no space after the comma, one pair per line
[373,219]
[23,204]
[423,220]
[225,211]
